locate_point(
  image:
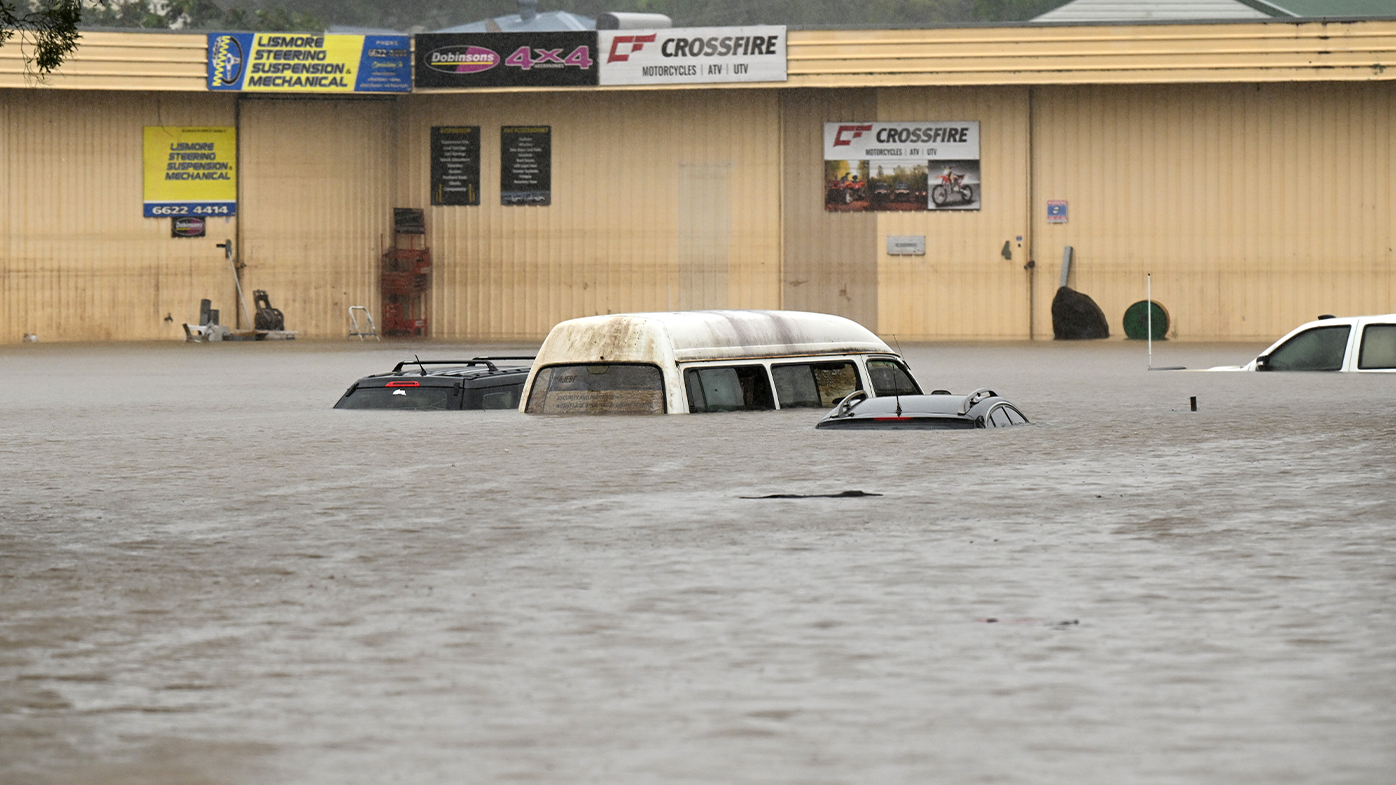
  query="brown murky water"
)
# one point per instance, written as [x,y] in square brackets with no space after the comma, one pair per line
[209,576]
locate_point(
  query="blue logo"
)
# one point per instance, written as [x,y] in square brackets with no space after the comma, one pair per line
[225,60]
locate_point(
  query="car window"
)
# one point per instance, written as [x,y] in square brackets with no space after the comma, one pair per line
[815,384]
[506,397]
[597,389]
[737,388]
[421,398]
[1015,417]
[1319,349]
[1378,347]
[998,418]
[889,377]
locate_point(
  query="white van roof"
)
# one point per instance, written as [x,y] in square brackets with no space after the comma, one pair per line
[692,336]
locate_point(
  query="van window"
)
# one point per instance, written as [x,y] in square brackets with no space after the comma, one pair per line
[818,385]
[597,389]
[889,377]
[742,387]
[1319,349]
[1378,347]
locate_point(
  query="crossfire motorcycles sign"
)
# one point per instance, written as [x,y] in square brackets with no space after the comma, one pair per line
[694,55]
[899,167]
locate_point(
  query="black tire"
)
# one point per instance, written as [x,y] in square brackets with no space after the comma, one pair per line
[968,193]
[939,195]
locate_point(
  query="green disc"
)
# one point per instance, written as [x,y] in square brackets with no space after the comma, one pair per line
[1137,321]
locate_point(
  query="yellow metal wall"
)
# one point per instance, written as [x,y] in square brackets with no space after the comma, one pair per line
[1276,51]
[1255,207]
[664,200]
[316,204]
[831,259]
[117,61]
[77,259]
[963,287]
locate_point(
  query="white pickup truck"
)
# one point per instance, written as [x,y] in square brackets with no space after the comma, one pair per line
[1363,344]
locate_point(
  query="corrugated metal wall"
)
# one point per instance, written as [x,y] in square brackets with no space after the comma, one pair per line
[660,201]
[1255,207]
[116,61]
[316,204]
[78,261]
[830,258]
[1275,51]
[963,287]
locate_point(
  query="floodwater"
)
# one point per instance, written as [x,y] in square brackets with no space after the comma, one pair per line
[209,577]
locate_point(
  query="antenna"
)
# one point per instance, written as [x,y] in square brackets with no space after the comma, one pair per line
[420,365]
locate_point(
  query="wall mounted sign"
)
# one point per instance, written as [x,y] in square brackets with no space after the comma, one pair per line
[906,245]
[692,55]
[190,171]
[309,63]
[188,226]
[455,165]
[1056,211]
[553,59]
[901,167]
[526,164]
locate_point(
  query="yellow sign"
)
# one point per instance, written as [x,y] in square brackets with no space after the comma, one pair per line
[190,171]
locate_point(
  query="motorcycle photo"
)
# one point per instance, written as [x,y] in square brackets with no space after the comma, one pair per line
[950,184]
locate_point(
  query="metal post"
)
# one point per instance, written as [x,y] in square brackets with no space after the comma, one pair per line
[1149,309]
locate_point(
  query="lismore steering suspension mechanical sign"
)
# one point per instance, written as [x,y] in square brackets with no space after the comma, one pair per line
[190,172]
[551,59]
[693,55]
[309,63]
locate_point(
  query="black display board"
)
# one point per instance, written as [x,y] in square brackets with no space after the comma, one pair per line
[526,164]
[455,165]
[506,59]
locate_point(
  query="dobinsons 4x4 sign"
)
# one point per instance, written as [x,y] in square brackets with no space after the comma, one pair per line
[694,55]
[309,63]
[551,59]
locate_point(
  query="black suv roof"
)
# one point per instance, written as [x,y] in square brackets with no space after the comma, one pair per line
[479,383]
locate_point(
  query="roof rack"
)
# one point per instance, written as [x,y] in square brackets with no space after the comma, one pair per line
[485,361]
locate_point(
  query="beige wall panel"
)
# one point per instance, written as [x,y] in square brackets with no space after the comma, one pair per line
[1255,207]
[119,61]
[1095,54]
[830,258]
[78,262]
[316,206]
[660,200]
[962,288]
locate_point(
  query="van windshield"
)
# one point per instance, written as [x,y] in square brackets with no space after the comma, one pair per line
[597,389]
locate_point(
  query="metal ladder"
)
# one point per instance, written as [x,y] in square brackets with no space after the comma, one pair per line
[355,330]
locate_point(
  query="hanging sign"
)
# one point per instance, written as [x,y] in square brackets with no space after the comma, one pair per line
[526,165]
[1056,211]
[901,167]
[309,63]
[190,171]
[455,165]
[552,59]
[694,55]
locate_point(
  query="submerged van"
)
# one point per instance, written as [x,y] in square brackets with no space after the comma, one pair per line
[709,361]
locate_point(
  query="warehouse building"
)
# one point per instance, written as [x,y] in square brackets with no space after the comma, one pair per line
[1244,167]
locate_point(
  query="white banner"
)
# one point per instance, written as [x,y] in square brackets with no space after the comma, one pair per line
[894,141]
[692,55]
